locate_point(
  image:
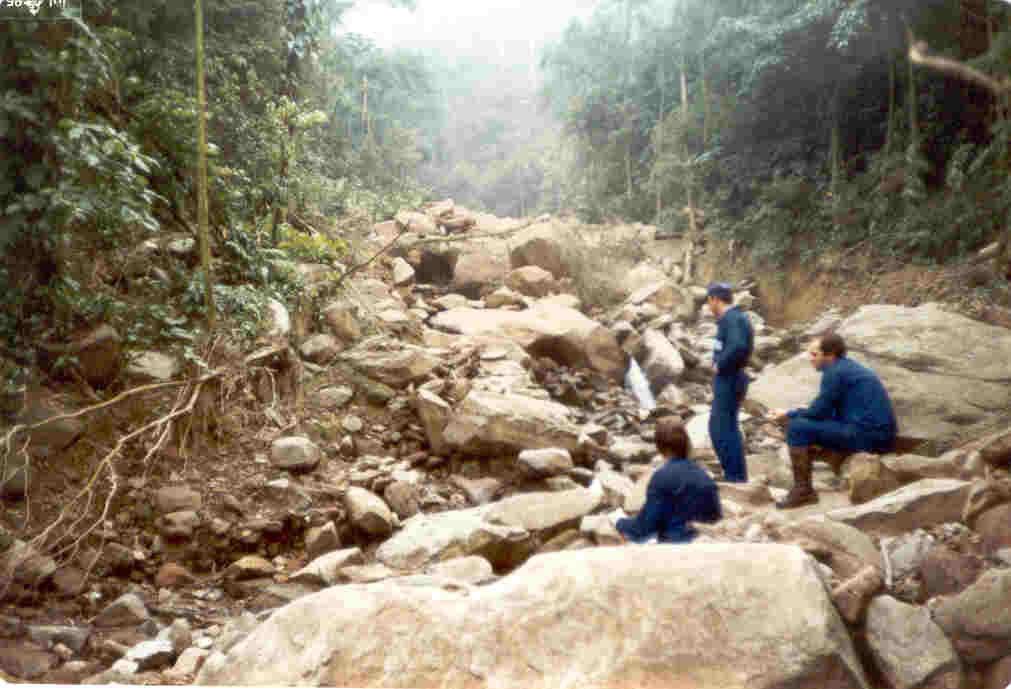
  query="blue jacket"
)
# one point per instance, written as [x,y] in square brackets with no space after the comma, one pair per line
[679,492]
[735,340]
[852,394]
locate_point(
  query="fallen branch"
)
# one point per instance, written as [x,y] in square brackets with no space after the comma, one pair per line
[918,54]
[466,237]
[1001,89]
[301,224]
[354,269]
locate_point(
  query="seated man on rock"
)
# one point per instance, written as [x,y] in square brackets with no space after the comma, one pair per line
[852,413]
[679,492]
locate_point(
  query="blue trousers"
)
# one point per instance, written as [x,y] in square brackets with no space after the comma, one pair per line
[836,435]
[724,429]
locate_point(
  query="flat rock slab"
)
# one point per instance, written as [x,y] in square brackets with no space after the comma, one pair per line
[425,538]
[487,422]
[644,616]
[917,505]
[930,360]
[543,511]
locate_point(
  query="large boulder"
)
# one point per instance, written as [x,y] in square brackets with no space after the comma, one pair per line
[320,349]
[489,422]
[661,361]
[368,513]
[869,477]
[277,320]
[911,651]
[98,355]
[397,365]
[344,320]
[939,378]
[994,528]
[22,563]
[546,329]
[403,273]
[642,275]
[849,550]
[543,252]
[295,453]
[665,296]
[549,461]
[978,620]
[153,367]
[434,413]
[49,437]
[532,281]
[326,569]
[647,616]
[418,223]
[475,271]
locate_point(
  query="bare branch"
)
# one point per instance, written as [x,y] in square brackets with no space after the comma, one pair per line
[918,54]
[465,237]
[354,269]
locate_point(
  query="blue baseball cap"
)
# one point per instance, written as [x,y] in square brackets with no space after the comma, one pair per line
[720,290]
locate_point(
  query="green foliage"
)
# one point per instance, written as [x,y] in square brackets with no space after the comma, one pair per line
[311,248]
[102,115]
[123,198]
[783,212]
[241,307]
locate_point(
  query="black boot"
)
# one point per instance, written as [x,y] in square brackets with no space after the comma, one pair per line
[803,492]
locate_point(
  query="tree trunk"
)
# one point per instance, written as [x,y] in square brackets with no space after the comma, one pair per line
[366,124]
[835,151]
[705,106]
[202,212]
[282,176]
[914,121]
[692,228]
[661,76]
[890,131]
[835,158]
[628,167]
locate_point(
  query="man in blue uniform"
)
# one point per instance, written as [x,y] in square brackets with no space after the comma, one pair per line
[679,493]
[735,340]
[852,413]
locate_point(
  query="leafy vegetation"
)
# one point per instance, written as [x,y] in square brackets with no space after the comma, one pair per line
[790,125]
[796,125]
[101,118]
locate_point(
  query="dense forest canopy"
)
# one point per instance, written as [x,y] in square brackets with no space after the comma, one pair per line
[791,125]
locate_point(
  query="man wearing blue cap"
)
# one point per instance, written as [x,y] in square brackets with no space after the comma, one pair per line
[735,340]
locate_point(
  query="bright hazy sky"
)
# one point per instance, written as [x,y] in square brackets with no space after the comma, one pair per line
[442,19]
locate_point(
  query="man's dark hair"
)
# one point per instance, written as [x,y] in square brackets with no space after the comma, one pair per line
[721,291]
[671,437]
[832,344]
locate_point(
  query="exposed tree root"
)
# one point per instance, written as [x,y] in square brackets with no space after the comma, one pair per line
[85,513]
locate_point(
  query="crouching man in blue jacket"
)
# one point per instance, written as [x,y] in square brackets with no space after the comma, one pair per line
[852,413]
[679,493]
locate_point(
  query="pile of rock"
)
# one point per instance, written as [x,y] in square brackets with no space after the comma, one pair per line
[466,536]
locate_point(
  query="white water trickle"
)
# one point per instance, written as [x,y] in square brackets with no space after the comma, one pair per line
[636,383]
